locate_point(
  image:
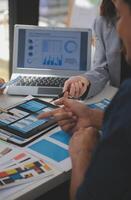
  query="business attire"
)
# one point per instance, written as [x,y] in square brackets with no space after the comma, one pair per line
[109,175]
[107,58]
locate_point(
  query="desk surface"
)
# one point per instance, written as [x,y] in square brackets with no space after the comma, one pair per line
[8,100]
[33,190]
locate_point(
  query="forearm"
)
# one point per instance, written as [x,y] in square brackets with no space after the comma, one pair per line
[79,169]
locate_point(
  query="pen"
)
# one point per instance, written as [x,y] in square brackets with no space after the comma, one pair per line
[59,96]
[70,97]
[6,111]
[4,85]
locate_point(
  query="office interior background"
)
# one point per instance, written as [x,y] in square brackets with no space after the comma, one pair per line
[65,13]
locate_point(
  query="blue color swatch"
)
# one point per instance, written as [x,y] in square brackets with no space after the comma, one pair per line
[50,150]
[100,105]
[61,136]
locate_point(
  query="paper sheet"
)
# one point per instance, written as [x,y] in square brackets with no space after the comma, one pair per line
[18,166]
[54,148]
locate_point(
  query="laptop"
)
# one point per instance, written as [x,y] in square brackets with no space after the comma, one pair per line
[44,58]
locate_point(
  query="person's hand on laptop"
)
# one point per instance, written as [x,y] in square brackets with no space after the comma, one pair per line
[74,115]
[1,83]
[76,86]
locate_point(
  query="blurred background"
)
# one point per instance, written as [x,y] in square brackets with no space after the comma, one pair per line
[61,13]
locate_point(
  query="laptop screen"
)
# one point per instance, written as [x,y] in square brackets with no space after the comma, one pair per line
[53,48]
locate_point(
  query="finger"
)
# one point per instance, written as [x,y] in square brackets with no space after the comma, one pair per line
[63,116]
[68,128]
[66,85]
[80,85]
[66,94]
[82,88]
[77,89]
[72,90]
[90,129]
[48,114]
[64,101]
[87,84]
[60,101]
[66,121]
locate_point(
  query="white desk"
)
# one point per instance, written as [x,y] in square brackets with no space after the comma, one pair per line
[37,188]
[8,100]
[107,92]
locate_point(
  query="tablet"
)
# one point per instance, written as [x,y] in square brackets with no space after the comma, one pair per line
[24,122]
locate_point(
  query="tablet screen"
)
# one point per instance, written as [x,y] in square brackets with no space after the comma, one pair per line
[24,122]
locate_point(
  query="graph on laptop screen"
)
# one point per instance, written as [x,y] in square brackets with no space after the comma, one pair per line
[45,57]
[57,50]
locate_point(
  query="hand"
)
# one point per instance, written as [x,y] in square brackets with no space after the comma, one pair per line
[1,82]
[76,86]
[65,119]
[81,115]
[81,148]
[74,115]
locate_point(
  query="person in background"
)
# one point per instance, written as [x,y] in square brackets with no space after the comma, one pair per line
[109,62]
[1,82]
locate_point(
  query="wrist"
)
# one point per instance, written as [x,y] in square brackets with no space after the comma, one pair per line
[88,84]
[96,118]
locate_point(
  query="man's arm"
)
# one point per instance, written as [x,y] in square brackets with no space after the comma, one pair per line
[81,148]
[109,173]
[78,172]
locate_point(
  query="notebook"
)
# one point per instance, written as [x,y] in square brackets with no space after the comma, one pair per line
[44,58]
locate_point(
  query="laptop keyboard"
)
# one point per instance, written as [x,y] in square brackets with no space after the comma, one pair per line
[41,81]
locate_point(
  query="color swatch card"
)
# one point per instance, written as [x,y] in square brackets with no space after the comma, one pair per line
[54,148]
[18,166]
[23,173]
[100,105]
[14,159]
